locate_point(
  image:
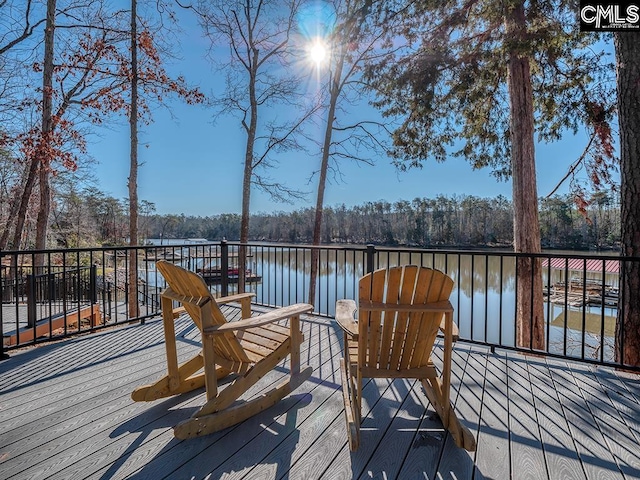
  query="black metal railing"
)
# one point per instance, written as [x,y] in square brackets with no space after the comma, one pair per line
[580,292]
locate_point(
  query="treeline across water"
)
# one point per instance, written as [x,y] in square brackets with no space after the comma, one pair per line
[441,221]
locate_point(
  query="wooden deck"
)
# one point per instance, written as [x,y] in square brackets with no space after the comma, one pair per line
[65,412]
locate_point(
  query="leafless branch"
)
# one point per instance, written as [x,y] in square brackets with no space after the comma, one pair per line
[574,166]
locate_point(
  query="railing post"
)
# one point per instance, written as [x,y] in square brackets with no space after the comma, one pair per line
[3,353]
[371,250]
[93,284]
[224,268]
[109,300]
[31,300]
[51,289]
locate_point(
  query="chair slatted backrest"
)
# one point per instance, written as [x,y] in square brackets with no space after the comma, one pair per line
[396,334]
[193,288]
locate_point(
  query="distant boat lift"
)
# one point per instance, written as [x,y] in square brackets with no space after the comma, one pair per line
[578,292]
[591,265]
[212,272]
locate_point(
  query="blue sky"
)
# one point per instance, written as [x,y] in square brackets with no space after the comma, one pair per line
[192,165]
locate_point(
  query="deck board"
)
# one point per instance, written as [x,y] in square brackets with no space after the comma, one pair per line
[596,458]
[527,452]
[619,438]
[493,440]
[423,462]
[561,458]
[455,462]
[66,412]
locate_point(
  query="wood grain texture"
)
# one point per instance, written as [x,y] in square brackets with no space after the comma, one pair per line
[401,310]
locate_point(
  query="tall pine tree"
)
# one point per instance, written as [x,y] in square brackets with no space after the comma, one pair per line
[480,80]
[628,78]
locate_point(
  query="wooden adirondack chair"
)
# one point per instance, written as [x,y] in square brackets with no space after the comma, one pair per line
[401,311]
[249,347]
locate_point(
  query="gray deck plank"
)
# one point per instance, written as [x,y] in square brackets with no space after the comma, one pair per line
[423,458]
[620,439]
[381,404]
[73,431]
[597,460]
[154,433]
[527,453]
[399,435]
[72,357]
[560,453]
[302,428]
[624,402]
[332,443]
[83,394]
[492,458]
[44,411]
[66,412]
[456,462]
[631,382]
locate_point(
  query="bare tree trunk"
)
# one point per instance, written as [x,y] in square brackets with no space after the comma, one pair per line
[627,45]
[43,212]
[251,130]
[244,222]
[257,34]
[46,133]
[23,205]
[526,226]
[334,93]
[134,310]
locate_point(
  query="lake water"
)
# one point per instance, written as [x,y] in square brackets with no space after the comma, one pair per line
[483,297]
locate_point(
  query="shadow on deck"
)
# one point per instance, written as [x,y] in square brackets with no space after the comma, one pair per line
[66,412]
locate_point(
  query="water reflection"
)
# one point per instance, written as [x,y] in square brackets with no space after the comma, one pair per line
[483,297]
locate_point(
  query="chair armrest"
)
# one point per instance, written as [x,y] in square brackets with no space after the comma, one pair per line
[345,310]
[234,298]
[269,317]
[455,332]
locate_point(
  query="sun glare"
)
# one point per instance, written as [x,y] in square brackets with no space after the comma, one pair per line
[318,52]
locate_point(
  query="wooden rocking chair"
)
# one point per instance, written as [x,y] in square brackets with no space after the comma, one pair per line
[250,348]
[401,311]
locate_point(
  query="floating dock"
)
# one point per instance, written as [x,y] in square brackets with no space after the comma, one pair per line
[578,293]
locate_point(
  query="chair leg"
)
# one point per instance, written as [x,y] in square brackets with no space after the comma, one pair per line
[206,424]
[164,388]
[242,383]
[352,417]
[216,414]
[462,436]
[187,382]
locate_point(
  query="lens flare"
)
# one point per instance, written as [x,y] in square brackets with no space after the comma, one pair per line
[318,52]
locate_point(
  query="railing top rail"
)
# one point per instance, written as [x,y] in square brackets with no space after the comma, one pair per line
[441,250]
[337,247]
